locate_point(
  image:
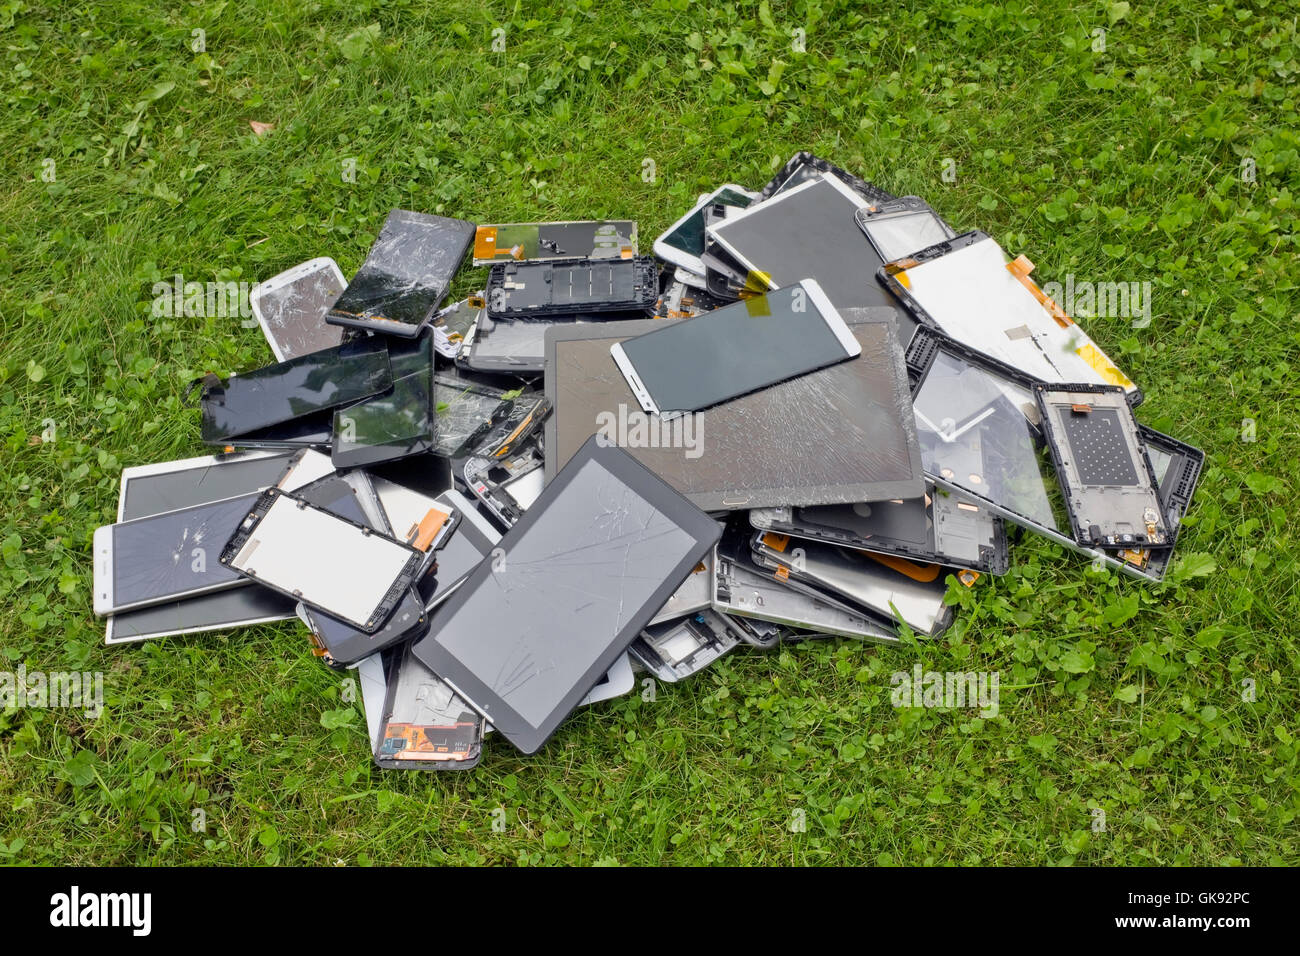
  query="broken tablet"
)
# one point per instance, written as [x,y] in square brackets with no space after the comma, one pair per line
[565,592]
[539,241]
[286,544]
[697,363]
[838,435]
[405,276]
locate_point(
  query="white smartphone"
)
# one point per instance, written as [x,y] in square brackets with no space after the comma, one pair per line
[696,363]
[166,557]
[291,307]
[683,242]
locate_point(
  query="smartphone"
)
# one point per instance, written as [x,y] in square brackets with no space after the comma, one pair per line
[682,243]
[167,556]
[693,364]
[291,307]
[406,274]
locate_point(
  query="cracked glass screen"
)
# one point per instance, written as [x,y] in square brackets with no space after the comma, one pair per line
[568,590]
[975,433]
[466,410]
[292,307]
[288,390]
[398,423]
[175,554]
[895,234]
[405,275]
[972,296]
[835,436]
[740,348]
[808,232]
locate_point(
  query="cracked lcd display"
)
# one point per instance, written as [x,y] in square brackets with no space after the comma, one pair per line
[166,556]
[406,274]
[169,486]
[572,583]
[838,435]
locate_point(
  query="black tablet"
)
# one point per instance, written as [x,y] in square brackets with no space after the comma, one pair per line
[565,592]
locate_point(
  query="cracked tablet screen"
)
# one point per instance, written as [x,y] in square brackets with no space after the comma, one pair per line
[588,565]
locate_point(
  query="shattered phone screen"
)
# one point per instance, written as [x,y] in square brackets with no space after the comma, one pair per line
[405,275]
[293,314]
[175,554]
[296,388]
[571,584]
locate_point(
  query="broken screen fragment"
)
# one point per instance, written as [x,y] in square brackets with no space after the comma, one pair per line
[406,274]
[901,227]
[966,288]
[291,308]
[572,583]
[285,544]
[539,241]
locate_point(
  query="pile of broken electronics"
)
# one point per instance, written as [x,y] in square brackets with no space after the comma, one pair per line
[814,411]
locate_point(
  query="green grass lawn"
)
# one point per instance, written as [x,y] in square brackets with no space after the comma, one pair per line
[128,157]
